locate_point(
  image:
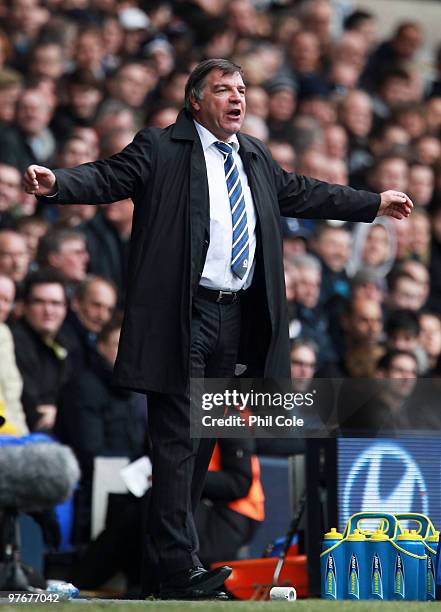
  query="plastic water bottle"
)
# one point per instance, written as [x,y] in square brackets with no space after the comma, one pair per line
[378,565]
[356,584]
[431,546]
[332,561]
[409,575]
[65,590]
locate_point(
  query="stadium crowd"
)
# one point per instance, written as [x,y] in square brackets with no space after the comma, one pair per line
[331,100]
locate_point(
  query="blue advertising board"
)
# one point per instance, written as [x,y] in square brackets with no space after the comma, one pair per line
[392,475]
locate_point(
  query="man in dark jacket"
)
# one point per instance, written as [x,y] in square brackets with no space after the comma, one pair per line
[41,353]
[206,285]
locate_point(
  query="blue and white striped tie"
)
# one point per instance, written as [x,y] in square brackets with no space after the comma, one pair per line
[240,245]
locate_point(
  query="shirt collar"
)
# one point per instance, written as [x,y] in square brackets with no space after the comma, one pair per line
[208,139]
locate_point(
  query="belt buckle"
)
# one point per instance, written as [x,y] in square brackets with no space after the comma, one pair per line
[222,293]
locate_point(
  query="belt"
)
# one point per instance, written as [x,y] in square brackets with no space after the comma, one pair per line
[218,295]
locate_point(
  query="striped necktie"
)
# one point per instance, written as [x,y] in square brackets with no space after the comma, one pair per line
[240,244]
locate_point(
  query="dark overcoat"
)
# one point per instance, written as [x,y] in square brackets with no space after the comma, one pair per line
[164,172]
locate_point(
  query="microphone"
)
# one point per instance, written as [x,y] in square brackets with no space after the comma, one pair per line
[36,476]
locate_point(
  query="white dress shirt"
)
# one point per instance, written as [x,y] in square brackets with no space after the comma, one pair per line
[217,272]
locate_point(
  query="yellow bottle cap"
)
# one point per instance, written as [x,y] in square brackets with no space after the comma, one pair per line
[379,536]
[409,535]
[333,535]
[356,536]
[434,537]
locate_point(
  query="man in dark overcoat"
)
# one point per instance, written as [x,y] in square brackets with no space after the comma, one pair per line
[206,285]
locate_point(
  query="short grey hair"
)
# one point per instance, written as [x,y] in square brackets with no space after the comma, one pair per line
[196,81]
[305,260]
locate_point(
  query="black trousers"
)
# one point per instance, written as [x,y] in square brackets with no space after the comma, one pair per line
[180,462]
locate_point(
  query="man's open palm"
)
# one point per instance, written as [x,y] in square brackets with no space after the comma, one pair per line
[39,181]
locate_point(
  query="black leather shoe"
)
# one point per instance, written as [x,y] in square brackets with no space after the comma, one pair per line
[196,583]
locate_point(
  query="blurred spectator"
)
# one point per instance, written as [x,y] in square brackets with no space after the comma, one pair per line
[108,237]
[161,115]
[404,292]
[400,49]
[73,215]
[284,154]
[74,151]
[303,363]
[11,86]
[419,243]
[410,116]
[430,337]
[421,184]
[96,419]
[42,357]
[131,83]
[14,256]
[281,106]
[11,383]
[418,271]
[402,333]
[373,246]
[47,60]
[32,228]
[312,319]
[386,407]
[356,116]
[428,149]
[82,96]
[433,115]
[435,260]
[362,324]
[30,140]
[332,245]
[64,250]
[364,23]
[336,141]
[90,136]
[391,170]
[89,50]
[10,192]
[92,306]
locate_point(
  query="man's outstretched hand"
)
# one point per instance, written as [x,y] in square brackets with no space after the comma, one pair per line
[39,181]
[395,204]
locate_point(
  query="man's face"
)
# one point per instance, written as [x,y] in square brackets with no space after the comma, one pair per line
[307,287]
[408,294]
[222,108]
[46,308]
[430,334]
[10,191]
[303,363]
[403,370]
[376,248]
[96,307]
[7,294]
[33,113]
[365,323]
[333,246]
[71,259]
[14,256]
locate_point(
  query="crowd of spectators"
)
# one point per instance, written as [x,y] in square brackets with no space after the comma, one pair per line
[328,96]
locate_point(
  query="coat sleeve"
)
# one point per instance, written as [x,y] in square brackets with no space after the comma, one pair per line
[304,197]
[107,180]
